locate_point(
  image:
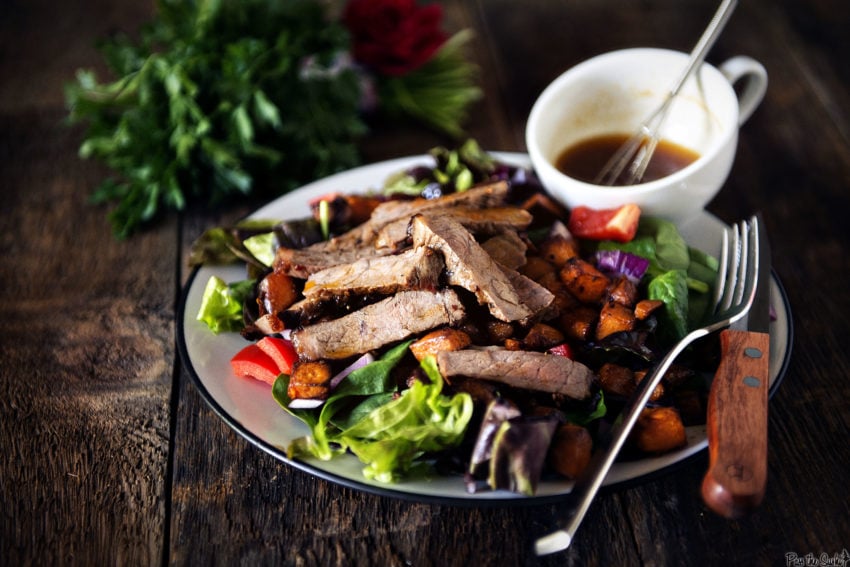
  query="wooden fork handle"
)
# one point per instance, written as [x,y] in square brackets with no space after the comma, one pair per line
[737,425]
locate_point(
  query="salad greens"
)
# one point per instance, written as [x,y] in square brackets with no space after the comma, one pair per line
[678,275]
[455,170]
[222,303]
[387,432]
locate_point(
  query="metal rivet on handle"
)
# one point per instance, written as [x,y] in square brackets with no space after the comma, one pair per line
[752,352]
[752,381]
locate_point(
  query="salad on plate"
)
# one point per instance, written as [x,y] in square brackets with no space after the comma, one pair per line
[458,321]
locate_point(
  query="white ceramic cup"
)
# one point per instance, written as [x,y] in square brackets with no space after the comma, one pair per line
[613,93]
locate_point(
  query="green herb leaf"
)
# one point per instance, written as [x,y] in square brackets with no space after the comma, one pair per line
[209,104]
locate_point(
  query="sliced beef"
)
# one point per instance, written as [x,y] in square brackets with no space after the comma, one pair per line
[301,263]
[359,241]
[314,309]
[484,222]
[415,268]
[480,197]
[534,296]
[507,249]
[521,369]
[469,266]
[387,321]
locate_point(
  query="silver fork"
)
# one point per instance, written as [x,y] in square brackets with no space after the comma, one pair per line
[734,293]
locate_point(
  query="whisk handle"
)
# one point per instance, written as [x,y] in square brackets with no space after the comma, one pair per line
[706,41]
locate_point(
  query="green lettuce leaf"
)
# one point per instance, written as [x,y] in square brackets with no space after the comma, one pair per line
[262,246]
[386,431]
[672,288]
[421,420]
[221,304]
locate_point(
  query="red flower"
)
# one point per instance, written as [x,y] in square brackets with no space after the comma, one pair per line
[393,37]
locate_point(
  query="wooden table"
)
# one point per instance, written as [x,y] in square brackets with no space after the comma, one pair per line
[111,456]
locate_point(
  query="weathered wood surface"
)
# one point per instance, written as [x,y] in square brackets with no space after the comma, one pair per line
[110,455]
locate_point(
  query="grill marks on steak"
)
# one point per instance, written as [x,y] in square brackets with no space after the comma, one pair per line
[469,266]
[521,369]
[387,321]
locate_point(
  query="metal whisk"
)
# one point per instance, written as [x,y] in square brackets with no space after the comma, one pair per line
[628,164]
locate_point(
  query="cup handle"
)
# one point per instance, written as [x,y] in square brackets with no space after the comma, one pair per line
[754,87]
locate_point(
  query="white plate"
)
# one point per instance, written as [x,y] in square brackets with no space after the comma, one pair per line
[248,407]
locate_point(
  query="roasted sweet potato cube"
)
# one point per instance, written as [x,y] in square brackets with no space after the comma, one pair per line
[544,208]
[346,210]
[513,344]
[569,453]
[439,340]
[645,307]
[584,281]
[542,336]
[616,380]
[557,249]
[578,321]
[276,292]
[613,318]
[657,393]
[536,267]
[309,380]
[658,430]
[623,291]
[498,331]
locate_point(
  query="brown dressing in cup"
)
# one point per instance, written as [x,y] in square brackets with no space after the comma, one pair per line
[584,160]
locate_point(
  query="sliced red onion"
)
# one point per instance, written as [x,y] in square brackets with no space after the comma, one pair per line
[359,363]
[305,403]
[620,263]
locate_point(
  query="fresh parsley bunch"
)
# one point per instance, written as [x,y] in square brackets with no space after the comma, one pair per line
[218,98]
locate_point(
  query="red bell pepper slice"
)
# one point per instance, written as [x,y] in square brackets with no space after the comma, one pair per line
[252,362]
[281,351]
[618,224]
[562,349]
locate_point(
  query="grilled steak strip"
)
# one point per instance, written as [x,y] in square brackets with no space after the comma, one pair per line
[301,263]
[529,370]
[359,241]
[490,221]
[387,321]
[481,197]
[507,249]
[533,295]
[469,266]
[415,268]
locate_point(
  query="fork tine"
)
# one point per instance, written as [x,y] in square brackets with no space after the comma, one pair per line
[734,267]
[722,269]
[754,257]
[744,265]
